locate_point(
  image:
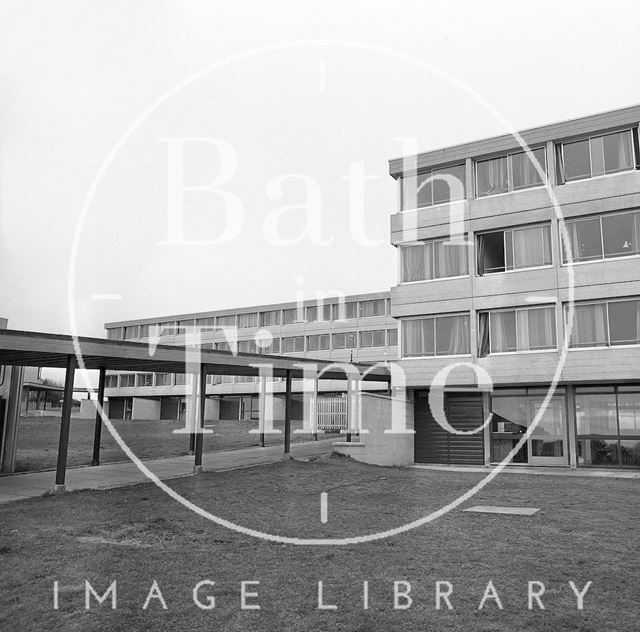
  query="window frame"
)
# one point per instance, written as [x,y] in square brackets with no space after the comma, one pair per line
[434,317]
[602,257]
[512,229]
[515,310]
[606,303]
[429,172]
[561,181]
[433,256]
[510,185]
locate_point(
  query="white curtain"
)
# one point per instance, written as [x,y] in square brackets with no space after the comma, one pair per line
[524,171]
[502,334]
[492,176]
[417,337]
[536,329]
[416,263]
[589,325]
[450,259]
[528,247]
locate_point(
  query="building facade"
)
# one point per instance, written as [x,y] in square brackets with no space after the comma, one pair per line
[353,329]
[526,266]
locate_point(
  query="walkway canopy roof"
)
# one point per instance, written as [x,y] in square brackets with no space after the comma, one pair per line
[28,348]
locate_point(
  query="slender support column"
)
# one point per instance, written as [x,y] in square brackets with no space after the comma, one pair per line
[262,407]
[67,404]
[26,406]
[287,415]
[197,467]
[10,447]
[97,433]
[349,408]
[315,417]
[194,419]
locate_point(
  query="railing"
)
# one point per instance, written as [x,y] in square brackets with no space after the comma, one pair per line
[332,413]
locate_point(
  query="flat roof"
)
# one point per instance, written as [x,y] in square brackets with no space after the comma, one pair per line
[29,348]
[331,298]
[532,136]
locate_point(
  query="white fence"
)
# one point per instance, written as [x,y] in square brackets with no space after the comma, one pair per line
[332,413]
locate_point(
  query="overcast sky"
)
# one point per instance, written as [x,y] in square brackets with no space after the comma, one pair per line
[292,97]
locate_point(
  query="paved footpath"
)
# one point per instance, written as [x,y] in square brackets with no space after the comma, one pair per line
[32,484]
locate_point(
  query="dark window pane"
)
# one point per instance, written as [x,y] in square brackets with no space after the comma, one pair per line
[630,453]
[491,253]
[577,164]
[585,240]
[492,176]
[619,234]
[448,184]
[624,322]
[597,452]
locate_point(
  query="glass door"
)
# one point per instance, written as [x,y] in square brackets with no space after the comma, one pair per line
[548,441]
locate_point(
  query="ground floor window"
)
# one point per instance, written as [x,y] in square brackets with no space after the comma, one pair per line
[514,411]
[608,425]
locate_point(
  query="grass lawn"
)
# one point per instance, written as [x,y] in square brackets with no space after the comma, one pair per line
[586,531]
[38,440]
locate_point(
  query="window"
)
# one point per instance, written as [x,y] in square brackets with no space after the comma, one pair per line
[319,342]
[114,334]
[292,315]
[163,379]
[595,156]
[185,326]
[344,340]
[270,318]
[392,337]
[206,324]
[436,186]
[181,379]
[521,329]
[433,260]
[226,321]
[372,338]
[247,346]
[293,344]
[602,236]
[144,379]
[272,347]
[435,335]
[222,346]
[512,172]
[346,310]
[127,379]
[131,332]
[608,425]
[372,308]
[514,249]
[146,330]
[168,328]
[318,313]
[607,323]
[245,321]
[111,381]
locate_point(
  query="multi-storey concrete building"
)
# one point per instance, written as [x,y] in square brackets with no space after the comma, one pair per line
[502,300]
[352,329]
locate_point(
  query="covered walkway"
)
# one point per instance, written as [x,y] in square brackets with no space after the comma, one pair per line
[21,348]
[34,484]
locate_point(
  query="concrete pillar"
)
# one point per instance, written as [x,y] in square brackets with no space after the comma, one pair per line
[10,445]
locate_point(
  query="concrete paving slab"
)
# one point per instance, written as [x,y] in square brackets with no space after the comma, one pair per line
[511,511]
